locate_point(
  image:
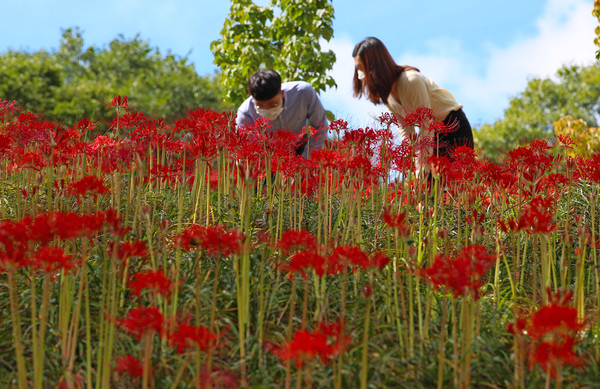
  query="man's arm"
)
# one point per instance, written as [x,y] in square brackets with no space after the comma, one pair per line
[317,118]
[244,117]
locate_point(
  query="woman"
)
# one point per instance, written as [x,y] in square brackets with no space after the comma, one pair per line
[403,89]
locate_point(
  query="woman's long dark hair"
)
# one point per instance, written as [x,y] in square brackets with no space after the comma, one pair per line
[381,71]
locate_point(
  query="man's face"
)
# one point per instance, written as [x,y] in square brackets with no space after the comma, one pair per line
[275,101]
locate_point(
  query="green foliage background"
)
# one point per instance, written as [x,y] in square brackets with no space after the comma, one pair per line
[76,82]
[575,91]
[283,36]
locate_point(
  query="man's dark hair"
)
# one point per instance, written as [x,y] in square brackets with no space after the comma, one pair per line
[264,84]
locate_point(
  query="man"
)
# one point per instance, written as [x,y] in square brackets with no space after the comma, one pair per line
[290,106]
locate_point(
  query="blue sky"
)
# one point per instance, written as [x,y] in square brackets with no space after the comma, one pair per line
[483,52]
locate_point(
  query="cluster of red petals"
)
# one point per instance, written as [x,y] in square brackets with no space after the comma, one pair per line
[187,335]
[463,274]
[531,161]
[215,240]
[306,260]
[218,377]
[536,217]
[155,281]
[8,106]
[52,259]
[309,257]
[589,168]
[552,330]
[342,257]
[149,320]
[421,118]
[28,242]
[396,221]
[127,250]
[142,320]
[292,239]
[88,185]
[326,341]
[120,102]
[354,257]
[129,365]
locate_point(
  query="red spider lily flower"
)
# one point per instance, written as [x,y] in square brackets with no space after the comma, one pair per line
[215,240]
[387,119]
[462,166]
[475,217]
[144,127]
[532,161]
[439,127]
[359,142]
[23,160]
[537,217]
[101,142]
[338,125]
[44,228]
[218,378]
[281,145]
[153,280]
[293,239]
[557,316]
[128,250]
[6,143]
[204,121]
[588,169]
[205,136]
[497,176]
[327,158]
[379,260]
[359,164]
[553,184]
[326,342]
[553,331]
[346,256]
[32,133]
[461,274]
[8,106]
[187,335]
[85,125]
[12,249]
[565,141]
[441,165]
[88,185]
[141,320]
[419,118]
[398,222]
[552,355]
[306,260]
[51,259]
[119,101]
[129,365]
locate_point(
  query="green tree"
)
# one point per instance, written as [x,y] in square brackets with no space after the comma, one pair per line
[283,36]
[76,82]
[596,13]
[576,92]
[31,79]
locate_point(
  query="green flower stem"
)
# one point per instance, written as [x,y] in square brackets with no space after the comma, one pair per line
[16,329]
[290,331]
[442,348]
[364,366]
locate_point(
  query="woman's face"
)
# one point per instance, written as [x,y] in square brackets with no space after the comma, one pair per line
[358,64]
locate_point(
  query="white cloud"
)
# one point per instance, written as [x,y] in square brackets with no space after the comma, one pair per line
[484,85]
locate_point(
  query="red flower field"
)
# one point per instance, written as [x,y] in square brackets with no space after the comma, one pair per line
[192,254]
